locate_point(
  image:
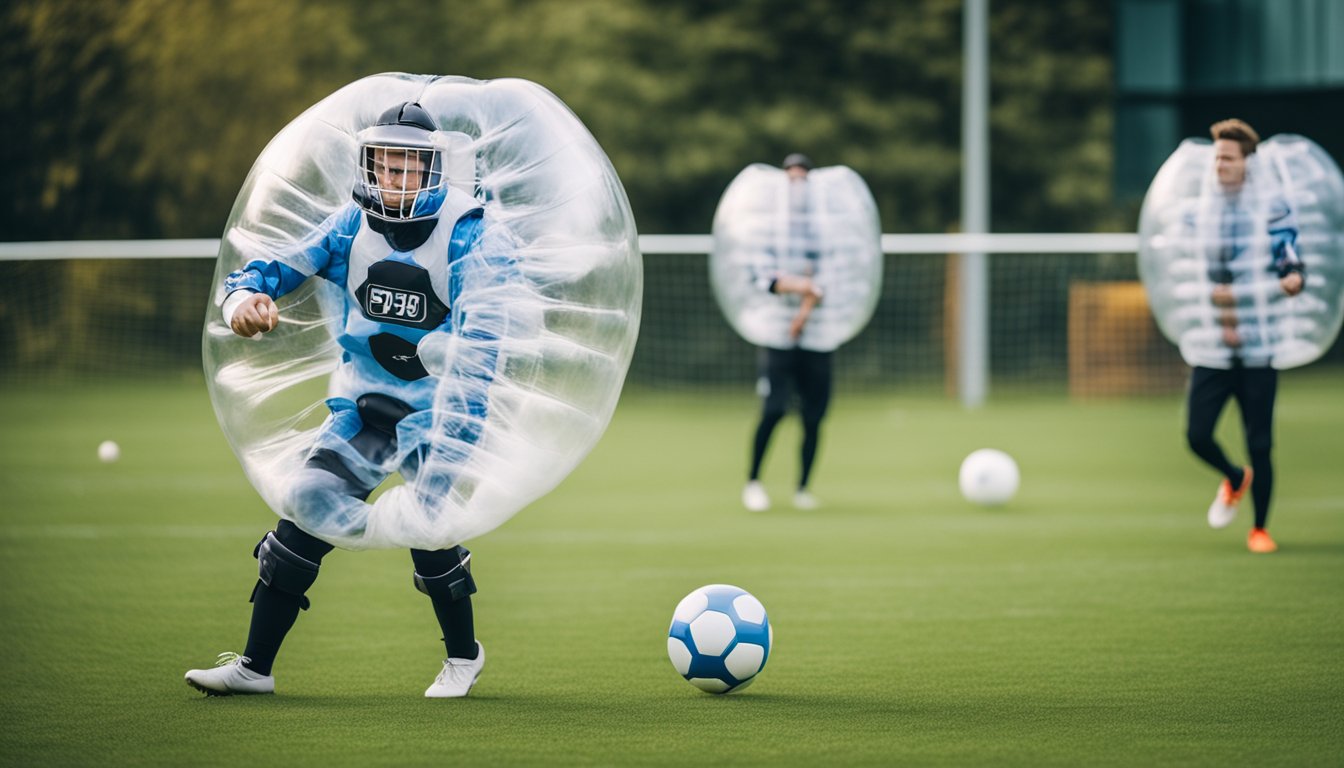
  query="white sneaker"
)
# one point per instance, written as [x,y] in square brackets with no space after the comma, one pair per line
[1221,514]
[804,500]
[228,677]
[457,677]
[1223,510]
[754,497]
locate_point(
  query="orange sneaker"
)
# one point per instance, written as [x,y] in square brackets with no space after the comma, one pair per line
[1224,507]
[1260,543]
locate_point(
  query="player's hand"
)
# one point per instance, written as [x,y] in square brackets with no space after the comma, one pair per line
[1222,295]
[257,314]
[1231,338]
[797,324]
[1291,283]
[798,284]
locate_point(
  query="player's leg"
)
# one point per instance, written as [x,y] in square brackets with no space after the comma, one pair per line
[288,558]
[277,598]
[814,377]
[1209,392]
[1255,395]
[445,576]
[353,453]
[288,562]
[773,387]
[1210,389]
[276,604]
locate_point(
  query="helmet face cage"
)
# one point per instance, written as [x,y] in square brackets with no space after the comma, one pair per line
[402,183]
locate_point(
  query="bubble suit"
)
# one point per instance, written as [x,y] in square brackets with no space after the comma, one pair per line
[1193,236]
[520,384]
[826,228]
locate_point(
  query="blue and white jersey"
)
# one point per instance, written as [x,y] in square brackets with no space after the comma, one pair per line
[393,299]
[1247,243]
[1236,251]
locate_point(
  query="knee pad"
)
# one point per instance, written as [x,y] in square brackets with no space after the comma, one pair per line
[455,584]
[284,570]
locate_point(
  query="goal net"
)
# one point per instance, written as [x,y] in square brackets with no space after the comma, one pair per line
[1060,321]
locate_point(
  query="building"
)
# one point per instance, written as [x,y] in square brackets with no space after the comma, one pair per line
[1181,65]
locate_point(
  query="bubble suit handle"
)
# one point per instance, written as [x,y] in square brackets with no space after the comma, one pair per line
[536,263]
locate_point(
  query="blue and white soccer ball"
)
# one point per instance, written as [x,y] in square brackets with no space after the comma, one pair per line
[720,638]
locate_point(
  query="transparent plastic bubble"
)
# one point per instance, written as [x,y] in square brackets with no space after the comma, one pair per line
[523,374]
[825,227]
[1195,237]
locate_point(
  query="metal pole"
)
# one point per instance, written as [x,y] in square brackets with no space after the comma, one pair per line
[973,274]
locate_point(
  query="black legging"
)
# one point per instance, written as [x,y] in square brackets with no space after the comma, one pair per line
[1254,390]
[783,370]
[274,612]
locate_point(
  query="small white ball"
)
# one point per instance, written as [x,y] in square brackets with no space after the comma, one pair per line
[109,451]
[989,477]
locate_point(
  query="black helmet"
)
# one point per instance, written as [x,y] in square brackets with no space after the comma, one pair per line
[798,159]
[407,136]
[408,113]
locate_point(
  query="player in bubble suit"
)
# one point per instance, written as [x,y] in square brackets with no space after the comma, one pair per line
[404,249]
[1237,255]
[783,370]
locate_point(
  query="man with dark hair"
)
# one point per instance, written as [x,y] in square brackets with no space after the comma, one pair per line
[783,370]
[1246,221]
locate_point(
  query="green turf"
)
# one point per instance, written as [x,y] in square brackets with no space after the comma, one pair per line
[1095,621]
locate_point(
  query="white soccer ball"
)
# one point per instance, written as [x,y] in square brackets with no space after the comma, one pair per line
[108,451]
[720,638]
[989,477]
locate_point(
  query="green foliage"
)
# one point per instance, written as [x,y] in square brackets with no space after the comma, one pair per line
[141,118]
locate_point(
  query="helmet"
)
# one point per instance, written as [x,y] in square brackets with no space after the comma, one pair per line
[401,176]
[798,159]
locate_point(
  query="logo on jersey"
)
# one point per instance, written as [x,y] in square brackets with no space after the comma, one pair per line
[401,294]
[383,302]
[397,356]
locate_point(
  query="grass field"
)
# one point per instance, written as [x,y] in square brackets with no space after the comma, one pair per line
[1094,621]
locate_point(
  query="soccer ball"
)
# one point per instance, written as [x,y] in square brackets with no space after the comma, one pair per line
[988,477]
[108,451]
[720,638]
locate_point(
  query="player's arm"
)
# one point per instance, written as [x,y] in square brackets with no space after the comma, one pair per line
[483,290]
[249,305]
[1292,273]
[766,277]
[1283,246]
[800,319]
[798,284]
